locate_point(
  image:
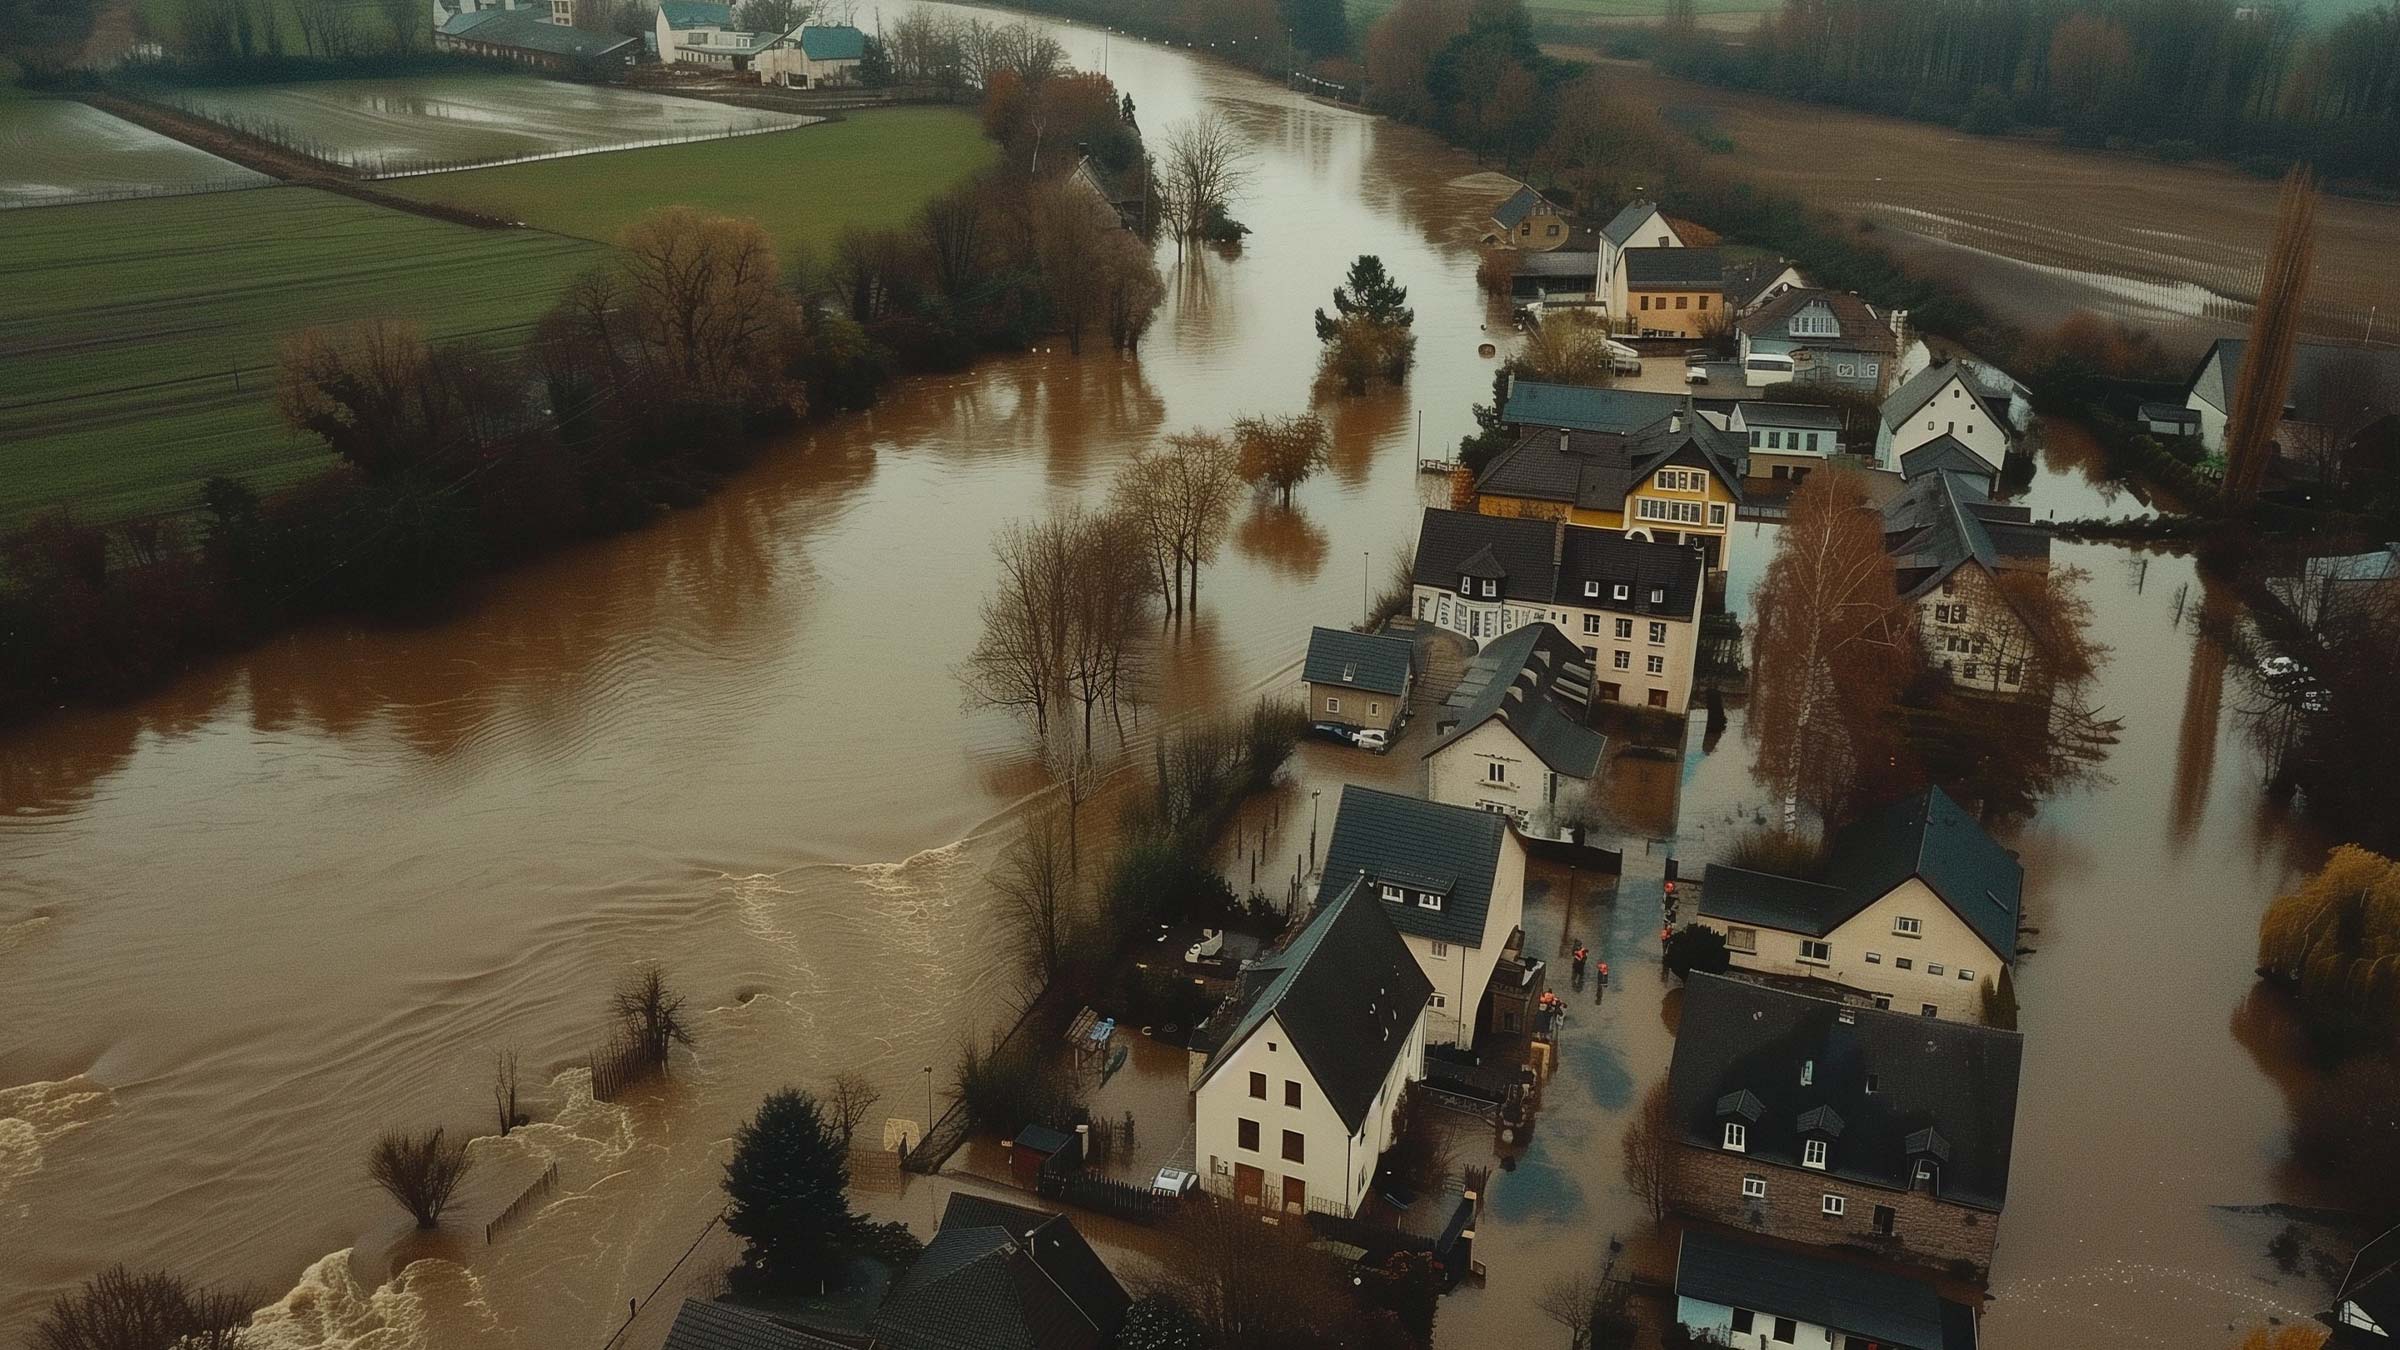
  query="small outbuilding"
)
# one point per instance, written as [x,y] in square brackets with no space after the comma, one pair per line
[1358,679]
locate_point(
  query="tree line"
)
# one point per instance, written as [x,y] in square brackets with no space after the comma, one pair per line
[654,376]
[2251,82]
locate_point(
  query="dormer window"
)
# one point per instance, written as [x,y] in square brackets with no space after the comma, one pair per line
[1737,1137]
[1395,895]
[1658,595]
[1466,585]
[1591,589]
[1928,1177]
[1812,1154]
[1428,900]
[1808,1072]
[1491,589]
[1621,592]
[1349,672]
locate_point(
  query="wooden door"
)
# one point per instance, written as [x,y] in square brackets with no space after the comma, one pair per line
[1248,1183]
[1295,1195]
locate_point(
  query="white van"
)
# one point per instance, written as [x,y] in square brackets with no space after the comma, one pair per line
[1761,370]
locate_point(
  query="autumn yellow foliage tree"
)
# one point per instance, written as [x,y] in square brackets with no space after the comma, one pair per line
[2289,1336]
[2336,937]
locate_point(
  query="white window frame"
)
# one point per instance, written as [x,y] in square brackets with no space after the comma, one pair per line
[1620,591]
[1592,589]
[1625,630]
[1737,1137]
[1656,665]
[1591,625]
[1441,951]
[1813,1153]
[1495,772]
[1428,900]
[1620,660]
[1658,631]
[1966,974]
[1333,704]
[1822,956]
[1438,1002]
[1833,1206]
[1754,1187]
[1744,940]
[1904,926]
[1395,895]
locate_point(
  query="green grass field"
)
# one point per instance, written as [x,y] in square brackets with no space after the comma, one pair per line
[804,186]
[140,337]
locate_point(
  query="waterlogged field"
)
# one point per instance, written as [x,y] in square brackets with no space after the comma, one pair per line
[888,164]
[54,151]
[441,121]
[139,338]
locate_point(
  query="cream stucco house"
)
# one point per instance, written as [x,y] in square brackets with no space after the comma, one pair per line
[1298,1078]
[1513,737]
[1939,402]
[1637,225]
[1916,909]
[1450,878]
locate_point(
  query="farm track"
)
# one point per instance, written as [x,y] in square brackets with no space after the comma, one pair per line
[279,162]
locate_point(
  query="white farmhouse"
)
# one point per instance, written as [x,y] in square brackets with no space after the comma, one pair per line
[1450,878]
[1915,909]
[1513,736]
[1939,401]
[816,56]
[1752,1295]
[1305,1065]
[1638,225]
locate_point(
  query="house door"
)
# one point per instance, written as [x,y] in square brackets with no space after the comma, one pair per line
[1248,1183]
[1295,1195]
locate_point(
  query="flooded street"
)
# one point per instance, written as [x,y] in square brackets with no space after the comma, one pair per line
[303,896]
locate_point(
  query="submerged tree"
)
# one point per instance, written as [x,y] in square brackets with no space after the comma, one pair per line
[421,1170]
[651,1013]
[1654,1152]
[1280,453]
[788,1185]
[1203,168]
[121,1309]
[1368,336]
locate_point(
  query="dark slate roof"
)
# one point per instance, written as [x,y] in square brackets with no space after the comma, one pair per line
[2169,412]
[1576,407]
[1674,269]
[2327,380]
[1948,452]
[1924,835]
[1521,203]
[1943,1089]
[1919,389]
[1863,330]
[1861,1301]
[519,28]
[2373,1283]
[1002,1277]
[1580,264]
[1688,439]
[1943,520]
[1745,281]
[1587,468]
[1374,662]
[1620,227]
[1811,416]
[1345,988]
[1537,565]
[1453,851]
[696,14]
[702,1325]
[833,42]
[1540,687]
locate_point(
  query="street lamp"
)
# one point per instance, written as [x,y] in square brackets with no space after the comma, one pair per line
[928,1102]
[1312,826]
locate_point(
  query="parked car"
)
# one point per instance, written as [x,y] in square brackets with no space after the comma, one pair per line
[1210,945]
[1369,738]
[1332,731]
[2278,669]
[1174,1181]
[1695,370]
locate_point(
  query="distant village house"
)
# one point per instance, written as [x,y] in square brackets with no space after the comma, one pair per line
[1958,557]
[1358,679]
[1527,220]
[1514,737]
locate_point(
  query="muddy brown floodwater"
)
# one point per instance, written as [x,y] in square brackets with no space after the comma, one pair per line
[304,895]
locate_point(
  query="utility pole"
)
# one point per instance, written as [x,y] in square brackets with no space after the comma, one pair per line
[1365,599]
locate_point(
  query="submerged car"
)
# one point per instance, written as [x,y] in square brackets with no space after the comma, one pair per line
[1371,739]
[1174,1181]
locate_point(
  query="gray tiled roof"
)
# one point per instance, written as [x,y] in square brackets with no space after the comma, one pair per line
[2327,381]
[1932,1077]
[1863,1302]
[1620,227]
[1674,269]
[1521,203]
[1919,389]
[1692,441]
[702,1325]
[1537,403]
[1745,281]
[1580,264]
[1002,1277]
[1942,520]
[1587,468]
[1345,990]
[1924,835]
[1862,329]
[521,29]
[1537,566]
[1537,684]
[1809,416]
[696,13]
[1948,452]
[1452,850]
[1375,662]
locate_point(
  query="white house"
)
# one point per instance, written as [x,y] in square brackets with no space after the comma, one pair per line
[2335,393]
[1939,401]
[1298,1077]
[1638,225]
[1916,909]
[1755,1295]
[701,33]
[1450,878]
[1513,737]
[814,56]
[1959,558]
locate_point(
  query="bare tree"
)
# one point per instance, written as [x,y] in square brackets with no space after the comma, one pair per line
[1020,661]
[1653,1152]
[1204,166]
[1250,1283]
[847,1100]
[1280,453]
[1832,649]
[504,1090]
[651,1013]
[119,1309]
[421,1170]
[1037,893]
[706,300]
[1572,1301]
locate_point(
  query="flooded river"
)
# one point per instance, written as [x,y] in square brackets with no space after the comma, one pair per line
[304,896]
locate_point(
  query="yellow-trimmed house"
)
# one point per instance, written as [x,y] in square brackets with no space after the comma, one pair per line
[1676,481]
[1915,909]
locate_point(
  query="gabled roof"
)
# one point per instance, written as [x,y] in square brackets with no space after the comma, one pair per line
[703,1325]
[1553,563]
[1521,203]
[1576,407]
[1907,400]
[833,42]
[1581,264]
[1949,452]
[2373,1283]
[1620,227]
[1863,1302]
[1745,282]
[2328,381]
[1451,851]
[1002,1277]
[1375,662]
[1942,520]
[1538,685]
[1924,835]
[1809,416]
[1688,439]
[520,28]
[696,14]
[1674,269]
[1345,990]
[1588,468]
[1942,1090]
[1862,329]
